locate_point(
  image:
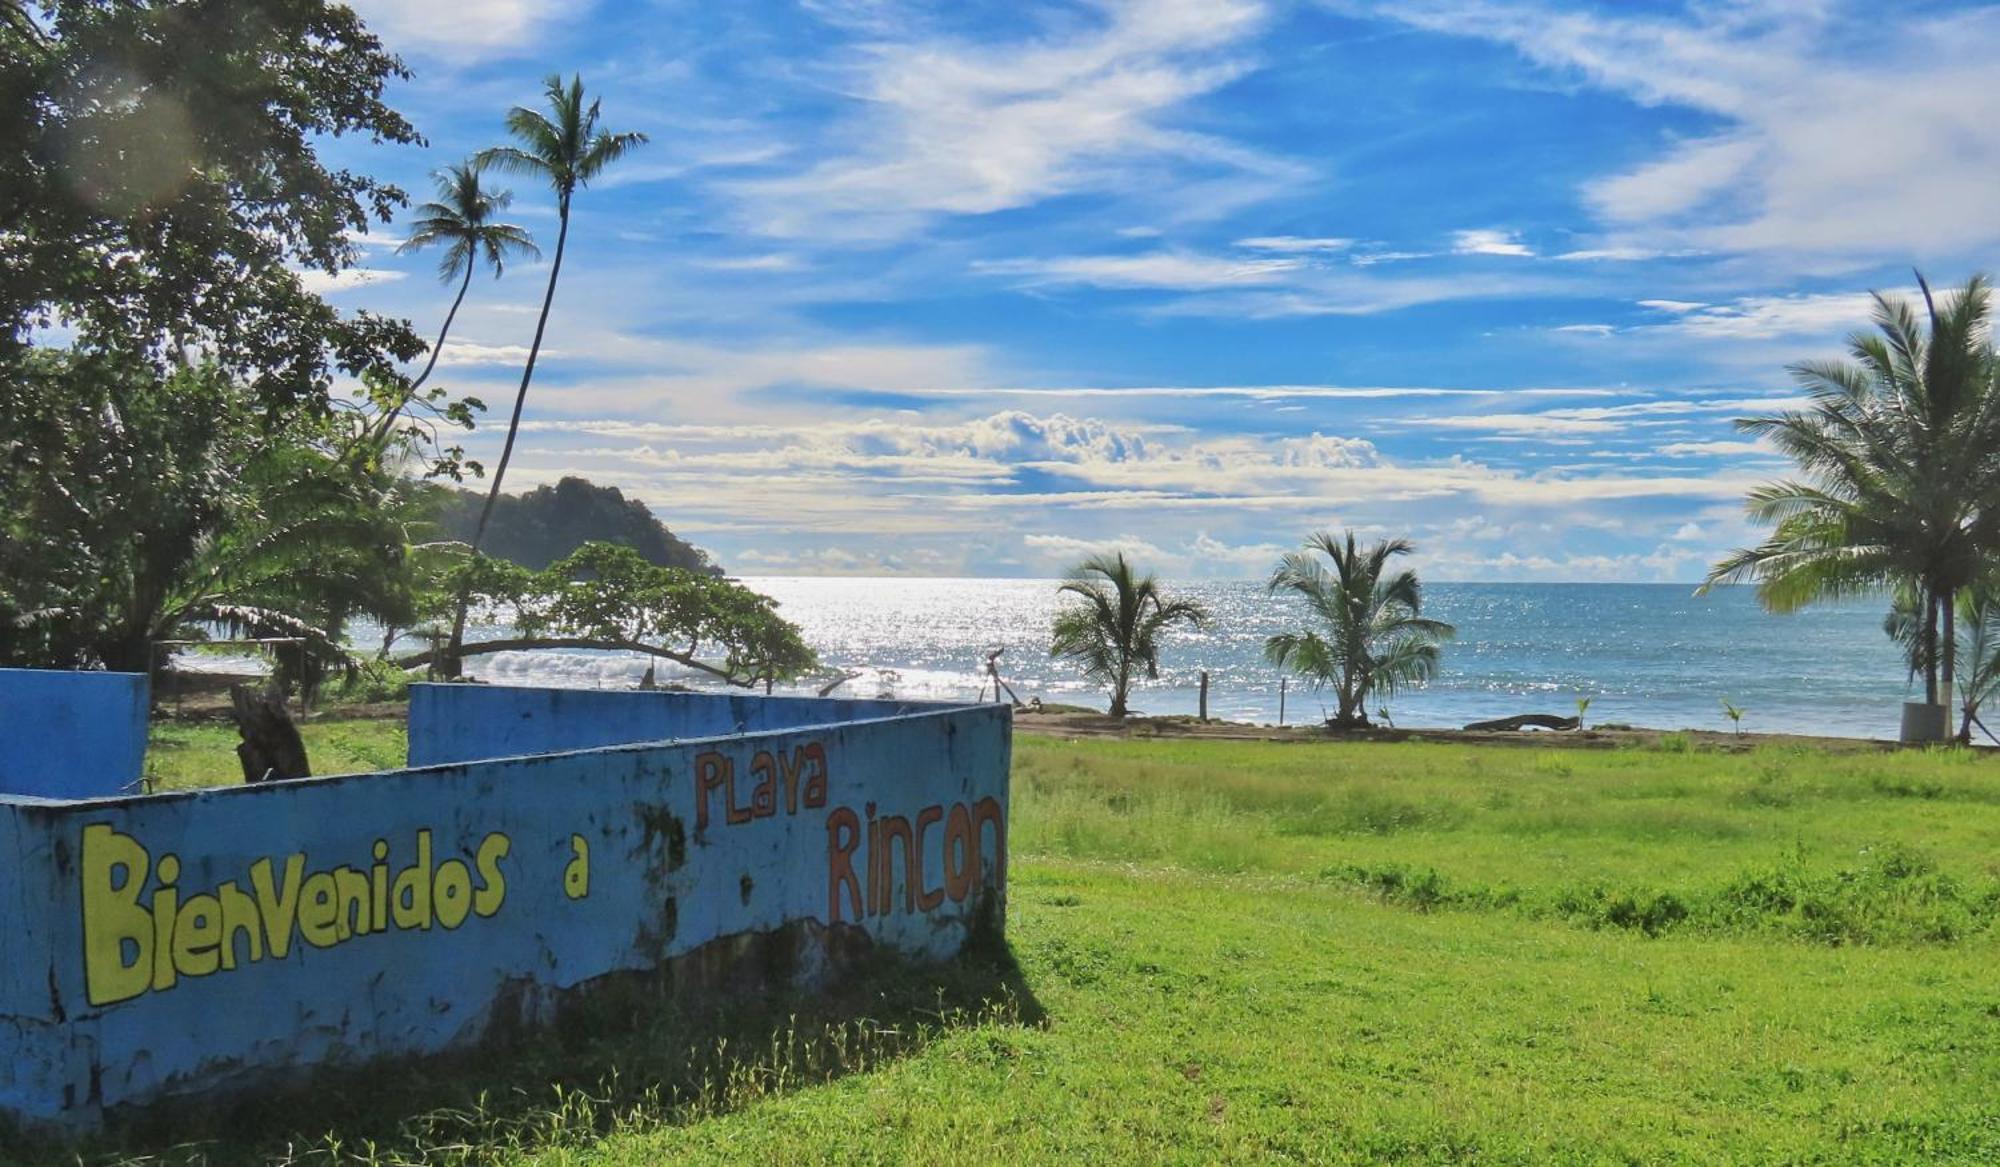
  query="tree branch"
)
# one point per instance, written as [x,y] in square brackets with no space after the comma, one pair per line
[529,643]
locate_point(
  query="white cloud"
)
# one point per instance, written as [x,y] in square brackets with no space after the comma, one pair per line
[1704,449]
[1069,548]
[1845,136]
[1587,329]
[1619,254]
[468,352]
[951,127]
[774,261]
[1160,269]
[1604,419]
[321,284]
[465,31]
[1490,242]
[1760,317]
[1291,244]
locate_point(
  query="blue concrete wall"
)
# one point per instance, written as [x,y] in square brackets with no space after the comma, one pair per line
[182,943]
[464,723]
[71,735]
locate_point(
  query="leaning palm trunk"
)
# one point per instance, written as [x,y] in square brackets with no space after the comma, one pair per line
[380,431]
[568,150]
[450,666]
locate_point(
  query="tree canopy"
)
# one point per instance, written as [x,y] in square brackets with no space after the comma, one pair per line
[1114,632]
[1367,633]
[603,596]
[161,188]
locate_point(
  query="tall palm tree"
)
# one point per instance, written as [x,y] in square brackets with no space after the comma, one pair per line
[464,219]
[1116,630]
[564,147]
[1900,483]
[1371,635]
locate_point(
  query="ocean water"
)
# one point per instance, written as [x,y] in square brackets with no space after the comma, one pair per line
[1646,654]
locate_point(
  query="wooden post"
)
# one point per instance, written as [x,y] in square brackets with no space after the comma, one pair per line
[1204,695]
[1281,702]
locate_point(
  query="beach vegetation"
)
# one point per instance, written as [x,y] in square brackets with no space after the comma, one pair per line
[145,507]
[608,597]
[1338,952]
[1366,633]
[1898,453]
[1114,628]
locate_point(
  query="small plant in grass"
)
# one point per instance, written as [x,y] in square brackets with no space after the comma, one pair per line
[1734,714]
[1582,707]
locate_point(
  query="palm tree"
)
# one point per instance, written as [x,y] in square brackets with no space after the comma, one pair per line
[565,148]
[1116,630]
[1372,635]
[463,219]
[1900,484]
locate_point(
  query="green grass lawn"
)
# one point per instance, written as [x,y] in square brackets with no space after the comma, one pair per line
[1334,953]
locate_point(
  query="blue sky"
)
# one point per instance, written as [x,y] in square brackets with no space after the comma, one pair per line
[974,288]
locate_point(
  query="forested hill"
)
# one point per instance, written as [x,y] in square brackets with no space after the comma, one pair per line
[537,528]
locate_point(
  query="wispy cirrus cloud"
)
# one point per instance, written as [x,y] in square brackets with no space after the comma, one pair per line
[466,30]
[1171,270]
[952,127]
[1819,148]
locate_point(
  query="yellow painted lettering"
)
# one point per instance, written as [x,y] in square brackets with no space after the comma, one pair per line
[198,937]
[411,897]
[351,911]
[454,892]
[576,876]
[117,930]
[280,906]
[239,915]
[492,884]
[319,910]
[166,907]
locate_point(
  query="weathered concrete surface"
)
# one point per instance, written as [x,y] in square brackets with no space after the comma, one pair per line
[186,943]
[71,735]
[464,723]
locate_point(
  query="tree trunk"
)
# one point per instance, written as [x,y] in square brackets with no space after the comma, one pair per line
[380,432]
[1124,682]
[1949,648]
[449,665]
[271,748]
[128,654]
[1930,647]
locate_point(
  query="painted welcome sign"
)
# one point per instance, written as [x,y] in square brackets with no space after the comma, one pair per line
[540,842]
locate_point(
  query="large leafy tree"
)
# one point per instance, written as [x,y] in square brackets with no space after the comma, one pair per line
[1368,634]
[161,188]
[607,597]
[1899,483]
[143,508]
[1114,630]
[565,147]
[167,449]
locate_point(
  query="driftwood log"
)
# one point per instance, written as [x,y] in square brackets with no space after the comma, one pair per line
[271,747]
[1523,721]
